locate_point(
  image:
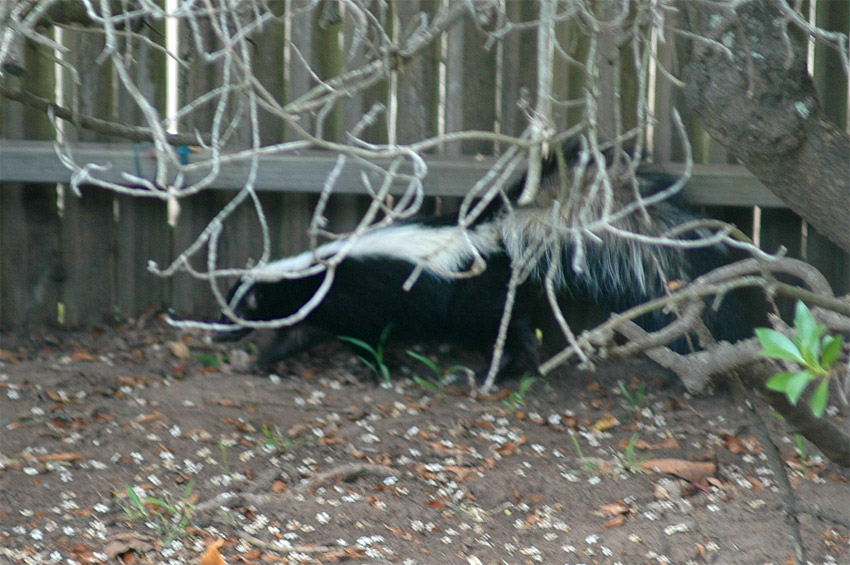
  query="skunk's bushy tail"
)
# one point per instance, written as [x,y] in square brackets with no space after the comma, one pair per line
[612,263]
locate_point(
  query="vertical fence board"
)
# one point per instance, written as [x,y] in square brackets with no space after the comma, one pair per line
[29,225]
[141,230]
[418,82]
[478,92]
[88,244]
[190,296]
[519,73]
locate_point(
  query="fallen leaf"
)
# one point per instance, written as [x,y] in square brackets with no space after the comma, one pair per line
[613,509]
[8,356]
[461,472]
[179,349]
[696,472]
[120,545]
[82,355]
[212,556]
[65,457]
[605,423]
[507,448]
[739,445]
[616,521]
[436,504]
[145,418]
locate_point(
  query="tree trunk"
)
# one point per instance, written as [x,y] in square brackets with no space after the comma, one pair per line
[756,98]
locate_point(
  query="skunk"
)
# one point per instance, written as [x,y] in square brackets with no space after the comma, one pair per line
[597,267]
[367,296]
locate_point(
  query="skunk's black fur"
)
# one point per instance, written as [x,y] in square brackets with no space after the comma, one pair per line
[366,296]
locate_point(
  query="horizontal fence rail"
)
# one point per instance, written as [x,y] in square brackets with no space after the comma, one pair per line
[37,162]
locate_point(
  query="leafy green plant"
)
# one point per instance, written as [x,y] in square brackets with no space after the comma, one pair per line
[170,518]
[634,401]
[438,378]
[225,463]
[630,463]
[516,400]
[277,440]
[801,449]
[810,349]
[208,360]
[375,358]
[590,468]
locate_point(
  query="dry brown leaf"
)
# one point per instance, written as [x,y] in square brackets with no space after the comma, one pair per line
[616,521]
[669,443]
[739,445]
[120,545]
[8,356]
[179,349]
[64,457]
[435,504]
[212,556]
[461,472]
[82,355]
[507,448]
[605,423]
[145,418]
[532,519]
[696,472]
[613,509]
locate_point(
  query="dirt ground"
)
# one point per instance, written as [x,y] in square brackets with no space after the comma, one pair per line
[142,445]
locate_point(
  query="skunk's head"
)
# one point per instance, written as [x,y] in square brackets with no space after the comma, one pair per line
[243,300]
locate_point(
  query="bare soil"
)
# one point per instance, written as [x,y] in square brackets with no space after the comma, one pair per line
[322,464]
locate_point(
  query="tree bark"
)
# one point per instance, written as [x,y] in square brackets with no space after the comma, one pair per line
[756,98]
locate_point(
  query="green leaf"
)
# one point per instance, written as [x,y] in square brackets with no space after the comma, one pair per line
[797,384]
[808,330]
[820,398]
[778,346]
[831,350]
[425,383]
[428,362]
[778,382]
[358,342]
[804,322]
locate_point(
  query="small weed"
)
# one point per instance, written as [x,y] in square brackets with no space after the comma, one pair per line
[375,359]
[225,464]
[808,349]
[629,460]
[208,359]
[438,377]
[277,441]
[169,518]
[801,449]
[634,401]
[590,468]
[516,400]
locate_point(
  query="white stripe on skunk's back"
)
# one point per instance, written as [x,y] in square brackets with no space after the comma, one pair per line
[439,249]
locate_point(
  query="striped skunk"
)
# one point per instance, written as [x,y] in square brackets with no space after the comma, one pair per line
[367,295]
[600,267]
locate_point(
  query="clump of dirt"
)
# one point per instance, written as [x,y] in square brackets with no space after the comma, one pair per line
[147,446]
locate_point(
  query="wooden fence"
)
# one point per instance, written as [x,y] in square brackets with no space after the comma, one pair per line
[84,260]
